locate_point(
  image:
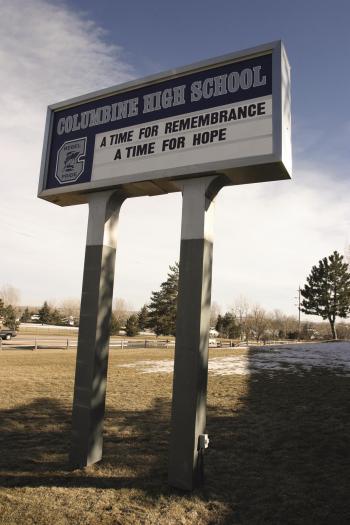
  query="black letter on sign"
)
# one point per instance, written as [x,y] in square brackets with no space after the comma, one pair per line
[118,154]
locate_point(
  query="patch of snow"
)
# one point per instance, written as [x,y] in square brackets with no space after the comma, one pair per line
[333,356]
[164,366]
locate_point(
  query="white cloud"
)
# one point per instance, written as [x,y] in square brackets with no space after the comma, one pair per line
[267,236]
[48,53]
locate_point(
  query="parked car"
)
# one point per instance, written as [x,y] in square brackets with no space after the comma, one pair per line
[7,334]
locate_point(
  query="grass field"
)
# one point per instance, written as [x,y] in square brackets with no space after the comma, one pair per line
[279,445]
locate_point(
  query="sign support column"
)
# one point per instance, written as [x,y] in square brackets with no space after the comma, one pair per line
[93,341]
[192,330]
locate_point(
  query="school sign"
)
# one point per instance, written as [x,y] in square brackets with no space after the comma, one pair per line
[229,116]
[193,130]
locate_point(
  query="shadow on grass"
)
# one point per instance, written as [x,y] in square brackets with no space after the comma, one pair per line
[278,455]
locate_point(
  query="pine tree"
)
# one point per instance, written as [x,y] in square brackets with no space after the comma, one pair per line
[2,308]
[231,328]
[143,318]
[45,314]
[327,292]
[226,326]
[25,317]
[163,304]
[132,326]
[10,319]
[219,324]
[55,317]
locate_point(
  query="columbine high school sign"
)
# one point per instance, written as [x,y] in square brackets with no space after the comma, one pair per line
[217,116]
[220,122]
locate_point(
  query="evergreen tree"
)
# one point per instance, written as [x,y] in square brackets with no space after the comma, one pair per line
[55,317]
[143,318]
[219,327]
[45,314]
[327,292]
[115,325]
[2,308]
[25,317]
[226,326]
[9,315]
[232,329]
[132,326]
[163,304]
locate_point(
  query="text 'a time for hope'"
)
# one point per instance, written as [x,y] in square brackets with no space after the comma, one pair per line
[177,126]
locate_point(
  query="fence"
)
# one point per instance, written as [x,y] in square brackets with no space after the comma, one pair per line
[36,343]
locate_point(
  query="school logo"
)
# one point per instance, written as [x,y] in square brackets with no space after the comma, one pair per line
[70,162]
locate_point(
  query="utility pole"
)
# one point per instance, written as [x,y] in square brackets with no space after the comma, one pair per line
[298,306]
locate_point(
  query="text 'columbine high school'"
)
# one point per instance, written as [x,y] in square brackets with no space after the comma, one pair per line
[208,88]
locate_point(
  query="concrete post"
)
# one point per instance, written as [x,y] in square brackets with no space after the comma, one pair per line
[93,340]
[192,330]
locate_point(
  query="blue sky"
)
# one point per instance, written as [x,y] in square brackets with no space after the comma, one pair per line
[267,236]
[158,35]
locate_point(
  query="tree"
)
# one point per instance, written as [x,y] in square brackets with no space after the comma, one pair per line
[231,327]
[214,313]
[143,318]
[55,317]
[327,291]
[120,311]
[163,304]
[241,311]
[10,295]
[114,325]
[70,307]
[226,326]
[258,322]
[132,326]
[25,317]
[219,326]
[45,314]
[9,315]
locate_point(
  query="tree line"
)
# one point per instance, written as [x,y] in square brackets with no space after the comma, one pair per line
[11,315]
[326,294]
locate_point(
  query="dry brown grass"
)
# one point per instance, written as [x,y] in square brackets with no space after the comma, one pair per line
[279,451]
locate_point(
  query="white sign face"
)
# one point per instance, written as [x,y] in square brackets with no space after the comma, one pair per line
[228,117]
[240,130]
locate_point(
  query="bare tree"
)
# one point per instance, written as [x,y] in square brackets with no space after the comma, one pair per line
[240,310]
[214,312]
[121,310]
[278,324]
[10,295]
[258,322]
[70,307]
[291,327]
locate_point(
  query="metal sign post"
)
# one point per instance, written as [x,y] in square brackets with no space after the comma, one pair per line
[93,341]
[192,330]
